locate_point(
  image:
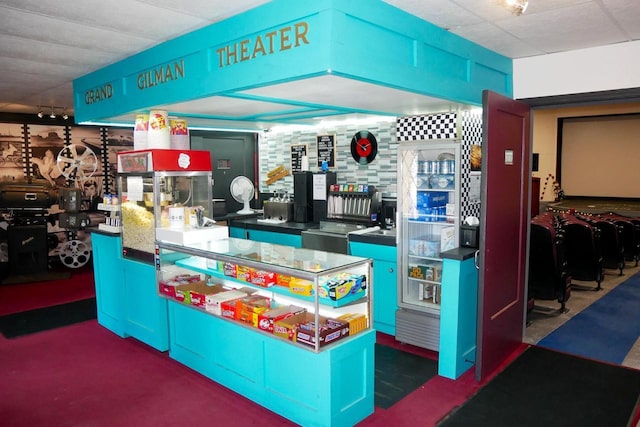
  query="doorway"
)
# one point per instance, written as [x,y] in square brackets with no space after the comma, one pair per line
[232,154]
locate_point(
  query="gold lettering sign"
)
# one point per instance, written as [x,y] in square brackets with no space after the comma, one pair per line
[160,75]
[98,94]
[275,41]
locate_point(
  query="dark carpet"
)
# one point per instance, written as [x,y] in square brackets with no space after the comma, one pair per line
[43,319]
[35,277]
[398,373]
[546,388]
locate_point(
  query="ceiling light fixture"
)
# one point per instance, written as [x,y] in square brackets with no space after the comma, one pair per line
[517,7]
[53,109]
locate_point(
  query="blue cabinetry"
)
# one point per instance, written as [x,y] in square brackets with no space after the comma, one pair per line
[286,239]
[385,276]
[330,388]
[458,315]
[126,294]
[146,312]
[107,269]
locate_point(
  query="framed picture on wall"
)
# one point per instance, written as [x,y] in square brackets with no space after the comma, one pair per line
[476,158]
[11,148]
[326,149]
[298,152]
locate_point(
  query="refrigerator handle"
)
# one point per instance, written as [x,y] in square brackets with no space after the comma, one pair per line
[476,256]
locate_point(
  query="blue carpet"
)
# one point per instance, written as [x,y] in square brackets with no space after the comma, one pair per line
[606,330]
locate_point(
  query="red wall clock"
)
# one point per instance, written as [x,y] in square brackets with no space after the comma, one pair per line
[364,147]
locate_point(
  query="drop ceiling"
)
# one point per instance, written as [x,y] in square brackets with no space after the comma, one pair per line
[46,44]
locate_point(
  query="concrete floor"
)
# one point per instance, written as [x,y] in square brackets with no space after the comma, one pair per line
[543,324]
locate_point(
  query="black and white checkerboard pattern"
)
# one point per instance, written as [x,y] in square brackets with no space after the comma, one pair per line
[433,126]
[466,124]
[471,135]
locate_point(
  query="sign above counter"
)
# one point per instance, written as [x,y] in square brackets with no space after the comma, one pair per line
[291,62]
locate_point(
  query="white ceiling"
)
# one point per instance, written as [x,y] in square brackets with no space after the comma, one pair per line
[46,44]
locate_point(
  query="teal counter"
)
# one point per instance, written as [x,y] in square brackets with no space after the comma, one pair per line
[331,388]
[458,312]
[126,294]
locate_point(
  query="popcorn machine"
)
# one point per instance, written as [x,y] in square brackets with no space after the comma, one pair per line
[166,195]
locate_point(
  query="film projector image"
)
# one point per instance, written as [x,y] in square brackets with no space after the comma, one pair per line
[52,205]
[78,164]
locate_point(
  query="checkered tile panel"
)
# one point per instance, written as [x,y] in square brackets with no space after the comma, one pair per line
[434,126]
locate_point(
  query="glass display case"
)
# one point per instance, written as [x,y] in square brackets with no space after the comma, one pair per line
[280,291]
[428,209]
[165,194]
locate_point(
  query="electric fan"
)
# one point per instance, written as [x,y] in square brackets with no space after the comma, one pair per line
[242,190]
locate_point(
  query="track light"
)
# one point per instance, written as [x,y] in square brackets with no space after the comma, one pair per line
[53,109]
[517,7]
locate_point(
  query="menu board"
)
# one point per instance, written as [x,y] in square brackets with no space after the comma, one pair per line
[326,146]
[298,151]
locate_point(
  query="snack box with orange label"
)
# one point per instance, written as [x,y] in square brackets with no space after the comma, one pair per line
[214,302]
[283,280]
[329,330]
[267,319]
[228,308]
[262,278]
[248,308]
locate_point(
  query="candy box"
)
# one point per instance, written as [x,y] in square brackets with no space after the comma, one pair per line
[301,287]
[213,303]
[243,273]
[229,269]
[168,287]
[262,278]
[199,292]
[286,328]
[228,308]
[329,330]
[267,319]
[183,291]
[357,322]
[284,280]
[249,307]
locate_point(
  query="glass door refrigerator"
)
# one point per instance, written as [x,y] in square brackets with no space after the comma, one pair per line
[428,209]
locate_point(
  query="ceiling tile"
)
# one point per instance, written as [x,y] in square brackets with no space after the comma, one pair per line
[59,32]
[568,28]
[211,10]
[443,13]
[488,35]
[626,13]
[130,17]
[47,53]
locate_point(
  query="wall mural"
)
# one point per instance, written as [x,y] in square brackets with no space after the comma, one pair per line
[80,157]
